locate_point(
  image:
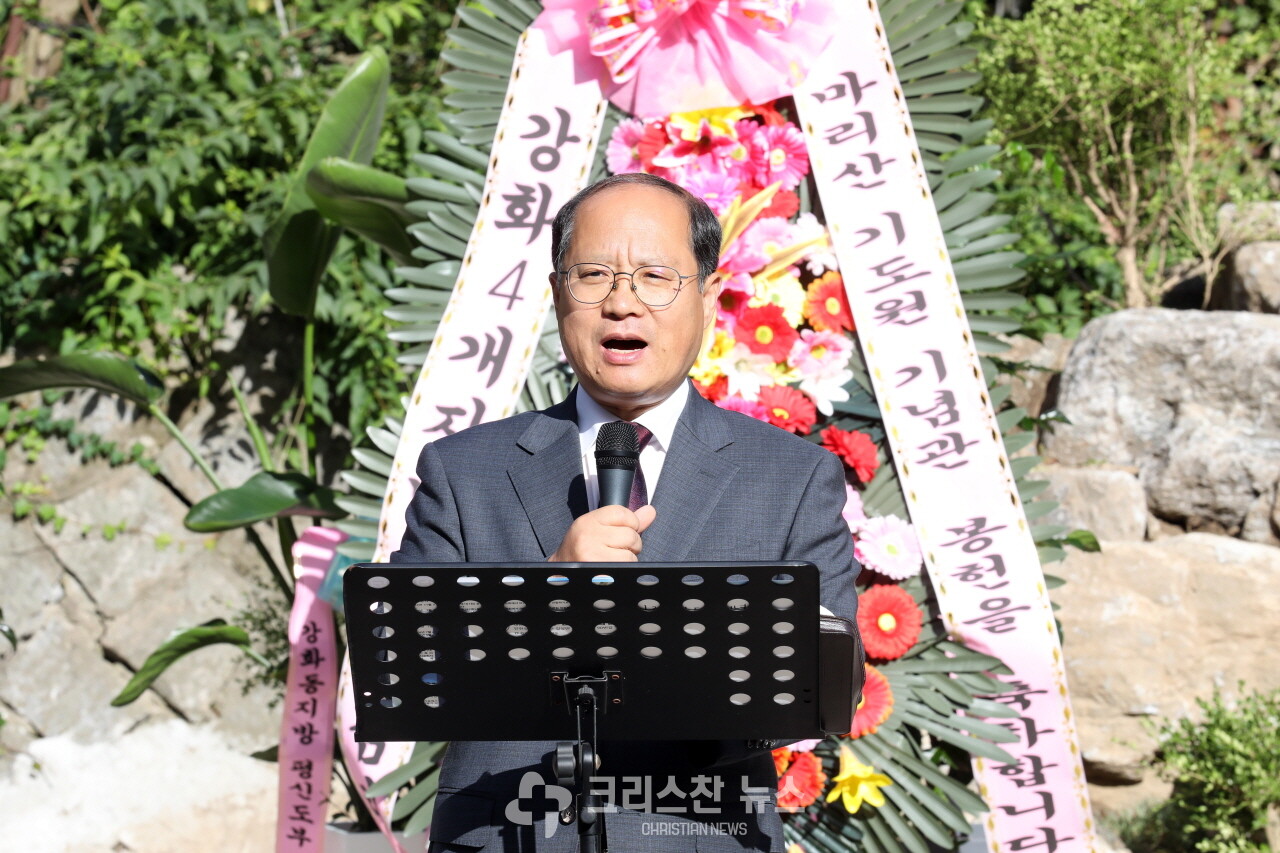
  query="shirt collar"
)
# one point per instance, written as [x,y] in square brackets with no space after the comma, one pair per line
[660,420]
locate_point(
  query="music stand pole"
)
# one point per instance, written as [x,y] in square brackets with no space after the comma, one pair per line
[575,763]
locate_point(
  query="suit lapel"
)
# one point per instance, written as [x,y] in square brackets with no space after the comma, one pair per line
[694,477]
[555,453]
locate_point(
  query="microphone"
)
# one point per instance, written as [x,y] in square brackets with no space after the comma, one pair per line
[617,454]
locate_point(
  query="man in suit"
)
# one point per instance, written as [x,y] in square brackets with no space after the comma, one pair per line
[635,288]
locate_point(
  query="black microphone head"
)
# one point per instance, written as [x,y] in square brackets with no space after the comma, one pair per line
[617,445]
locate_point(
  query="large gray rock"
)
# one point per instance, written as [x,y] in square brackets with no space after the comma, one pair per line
[91,601]
[1033,386]
[154,577]
[57,680]
[1109,502]
[1250,281]
[1149,627]
[160,788]
[1189,399]
[1249,223]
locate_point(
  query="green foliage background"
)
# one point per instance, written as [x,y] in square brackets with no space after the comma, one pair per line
[1225,768]
[137,182]
[1067,75]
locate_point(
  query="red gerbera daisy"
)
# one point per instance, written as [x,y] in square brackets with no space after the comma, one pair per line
[876,704]
[717,390]
[732,304]
[826,307]
[789,409]
[801,783]
[784,204]
[889,621]
[765,330]
[856,449]
[768,112]
[651,143]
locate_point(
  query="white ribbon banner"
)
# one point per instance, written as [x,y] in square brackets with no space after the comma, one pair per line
[941,426]
[481,353]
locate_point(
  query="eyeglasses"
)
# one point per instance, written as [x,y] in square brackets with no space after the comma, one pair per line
[655,286]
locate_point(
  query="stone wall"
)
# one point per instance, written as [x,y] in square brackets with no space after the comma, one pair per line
[1172,459]
[171,770]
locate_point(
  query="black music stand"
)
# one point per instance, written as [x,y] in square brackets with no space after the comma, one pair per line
[445,651]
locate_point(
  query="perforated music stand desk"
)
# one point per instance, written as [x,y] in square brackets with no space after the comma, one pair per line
[492,651]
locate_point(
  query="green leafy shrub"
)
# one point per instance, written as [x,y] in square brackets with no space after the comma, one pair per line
[1225,771]
[1154,111]
[1071,275]
[136,184]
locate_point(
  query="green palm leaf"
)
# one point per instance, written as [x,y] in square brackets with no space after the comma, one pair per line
[300,241]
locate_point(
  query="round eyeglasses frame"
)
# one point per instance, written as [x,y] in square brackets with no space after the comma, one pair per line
[675,291]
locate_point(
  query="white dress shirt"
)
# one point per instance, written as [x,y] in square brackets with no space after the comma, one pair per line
[660,421]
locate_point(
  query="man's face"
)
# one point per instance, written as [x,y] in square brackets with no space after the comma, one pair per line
[627,356]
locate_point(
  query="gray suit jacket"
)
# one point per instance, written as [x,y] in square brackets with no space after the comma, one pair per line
[731,488]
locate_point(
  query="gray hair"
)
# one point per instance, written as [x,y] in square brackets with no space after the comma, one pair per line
[704,226]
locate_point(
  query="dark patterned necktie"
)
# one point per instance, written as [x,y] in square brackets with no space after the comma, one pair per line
[639,493]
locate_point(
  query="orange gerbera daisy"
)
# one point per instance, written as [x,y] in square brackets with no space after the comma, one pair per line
[876,704]
[801,782]
[781,759]
[826,307]
[888,620]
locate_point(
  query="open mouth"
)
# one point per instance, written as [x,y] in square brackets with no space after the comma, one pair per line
[625,344]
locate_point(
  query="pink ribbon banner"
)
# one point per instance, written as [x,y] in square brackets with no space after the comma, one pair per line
[941,425]
[476,367]
[369,762]
[306,732]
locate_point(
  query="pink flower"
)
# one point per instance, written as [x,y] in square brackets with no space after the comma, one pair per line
[652,58]
[704,142]
[622,154]
[780,155]
[754,248]
[853,512]
[767,236]
[818,354]
[716,188]
[739,283]
[734,403]
[741,257]
[888,545]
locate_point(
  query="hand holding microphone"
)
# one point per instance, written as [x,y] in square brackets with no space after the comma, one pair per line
[611,533]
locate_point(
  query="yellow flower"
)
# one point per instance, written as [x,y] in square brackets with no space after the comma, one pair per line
[783,374]
[857,783]
[711,363]
[721,121]
[783,290]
